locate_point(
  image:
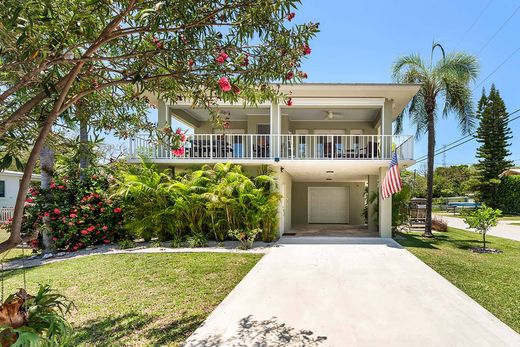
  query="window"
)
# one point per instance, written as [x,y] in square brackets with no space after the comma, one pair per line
[2,189]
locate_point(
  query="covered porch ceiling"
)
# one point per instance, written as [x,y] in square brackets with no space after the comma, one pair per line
[334,170]
[295,114]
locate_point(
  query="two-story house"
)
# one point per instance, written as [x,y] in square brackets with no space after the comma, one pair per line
[332,143]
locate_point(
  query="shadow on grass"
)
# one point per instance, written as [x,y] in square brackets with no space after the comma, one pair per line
[264,333]
[417,241]
[128,329]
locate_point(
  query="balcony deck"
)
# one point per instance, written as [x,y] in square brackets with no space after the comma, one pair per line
[258,147]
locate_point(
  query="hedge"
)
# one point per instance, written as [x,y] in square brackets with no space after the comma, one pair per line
[509,195]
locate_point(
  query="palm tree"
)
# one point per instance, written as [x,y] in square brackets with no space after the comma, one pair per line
[446,84]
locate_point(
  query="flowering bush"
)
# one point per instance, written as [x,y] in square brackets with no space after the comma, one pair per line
[80,212]
[174,140]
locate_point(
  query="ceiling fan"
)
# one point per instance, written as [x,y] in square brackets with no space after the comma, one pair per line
[332,116]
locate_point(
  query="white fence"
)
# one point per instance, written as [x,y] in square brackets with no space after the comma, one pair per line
[293,147]
[6,213]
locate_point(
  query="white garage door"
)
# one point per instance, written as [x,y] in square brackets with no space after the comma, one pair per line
[328,204]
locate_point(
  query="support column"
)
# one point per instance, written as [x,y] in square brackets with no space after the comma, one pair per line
[385,208]
[162,114]
[372,213]
[276,127]
[386,129]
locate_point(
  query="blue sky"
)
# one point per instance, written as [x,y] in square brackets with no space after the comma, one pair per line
[359,40]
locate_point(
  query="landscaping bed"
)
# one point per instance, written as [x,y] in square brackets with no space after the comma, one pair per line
[492,280]
[139,299]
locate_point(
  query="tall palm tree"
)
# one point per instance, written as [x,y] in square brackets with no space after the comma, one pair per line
[446,85]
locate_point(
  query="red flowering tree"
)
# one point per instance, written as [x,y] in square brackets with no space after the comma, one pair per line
[204,50]
[80,212]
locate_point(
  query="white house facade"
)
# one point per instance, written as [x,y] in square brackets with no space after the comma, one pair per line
[9,185]
[334,142]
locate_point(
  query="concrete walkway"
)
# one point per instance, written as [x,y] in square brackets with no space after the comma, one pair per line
[312,291]
[504,229]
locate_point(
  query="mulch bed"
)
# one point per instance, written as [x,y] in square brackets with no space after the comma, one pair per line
[485,250]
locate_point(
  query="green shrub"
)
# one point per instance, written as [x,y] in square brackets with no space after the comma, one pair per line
[126,244]
[246,237]
[197,240]
[80,212]
[509,194]
[199,204]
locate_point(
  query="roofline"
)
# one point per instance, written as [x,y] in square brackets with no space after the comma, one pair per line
[18,173]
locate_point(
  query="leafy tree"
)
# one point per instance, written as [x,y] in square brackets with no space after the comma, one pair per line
[493,134]
[482,219]
[446,84]
[55,53]
[455,180]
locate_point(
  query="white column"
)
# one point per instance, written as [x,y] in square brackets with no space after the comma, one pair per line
[161,114]
[386,128]
[385,209]
[276,127]
[372,214]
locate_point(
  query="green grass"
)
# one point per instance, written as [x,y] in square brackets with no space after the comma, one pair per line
[503,218]
[493,280]
[140,299]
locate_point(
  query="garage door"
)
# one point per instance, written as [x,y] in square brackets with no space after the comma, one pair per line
[328,205]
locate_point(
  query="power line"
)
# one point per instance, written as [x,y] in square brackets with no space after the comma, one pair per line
[498,31]
[473,24]
[498,67]
[465,139]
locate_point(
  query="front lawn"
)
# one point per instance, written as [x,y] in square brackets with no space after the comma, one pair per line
[140,299]
[493,280]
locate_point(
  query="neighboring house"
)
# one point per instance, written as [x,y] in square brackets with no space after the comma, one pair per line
[334,140]
[511,172]
[9,184]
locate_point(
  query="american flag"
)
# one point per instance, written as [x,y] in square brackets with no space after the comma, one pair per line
[392,182]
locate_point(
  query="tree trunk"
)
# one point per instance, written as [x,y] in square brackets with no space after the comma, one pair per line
[484,238]
[47,168]
[84,151]
[429,178]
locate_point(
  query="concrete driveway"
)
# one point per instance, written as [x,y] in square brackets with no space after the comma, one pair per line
[313,291]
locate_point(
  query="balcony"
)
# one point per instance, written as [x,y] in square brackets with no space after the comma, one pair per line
[209,147]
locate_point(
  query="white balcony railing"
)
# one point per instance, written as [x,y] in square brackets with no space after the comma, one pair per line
[6,213]
[291,147]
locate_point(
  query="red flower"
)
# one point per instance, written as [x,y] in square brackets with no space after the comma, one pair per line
[105,228]
[302,74]
[290,16]
[73,215]
[236,90]
[178,152]
[91,228]
[117,210]
[106,241]
[102,209]
[245,61]
[53,185]
[75,248]
[289,102]
[289,75]
[56,211]
[84,232]
[221,58]
[306,50]
[29,200]
[61,187]
[224,84]
[54,238]
[190,62]
[46,214]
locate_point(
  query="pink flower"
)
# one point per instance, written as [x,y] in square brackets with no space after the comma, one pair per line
[56,211]
[102,209]
[91,228]
[117,210]
[290,16]
[84,232]
[75,248]
[54,238]
[289,75]
[106,241]
[178,131]
[183,138]
[105,228]
[306,50]
[53,185]
[61,187]
[224,84]
[178,152]
[46,214]
[221,58]
[29,200]
[73,215]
